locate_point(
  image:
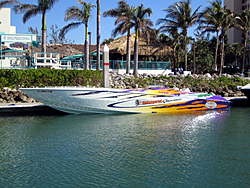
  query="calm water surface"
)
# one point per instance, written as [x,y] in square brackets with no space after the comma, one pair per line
[187,150]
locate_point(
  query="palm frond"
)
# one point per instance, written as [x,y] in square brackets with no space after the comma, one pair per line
[68,27]
[73,13]
[22,8]
[5,3]
[31,13]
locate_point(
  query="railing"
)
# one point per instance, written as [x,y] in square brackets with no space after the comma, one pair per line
[46,60]
[146,65]
[52,61]
[117,64]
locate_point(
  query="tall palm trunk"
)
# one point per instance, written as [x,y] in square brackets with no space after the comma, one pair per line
[86,51]
[98,42]
[174,58]
[128,52]
[244,54]
[44,37]
[136,53]
[185,50]
[222,55]
[216,49]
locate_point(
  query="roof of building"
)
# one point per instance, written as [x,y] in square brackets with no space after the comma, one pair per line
[145,46]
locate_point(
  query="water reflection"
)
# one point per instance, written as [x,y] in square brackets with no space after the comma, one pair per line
[113,150]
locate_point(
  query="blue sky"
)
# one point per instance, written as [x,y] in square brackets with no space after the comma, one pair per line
[56,16]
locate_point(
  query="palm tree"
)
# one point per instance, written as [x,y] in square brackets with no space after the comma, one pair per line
[179,16]
[5,3]
[107,41]
[31,10]
[140,23]
[237,49]
[124,14]
[212,20]
[227,22]
[174,41]
[98,39]
[243,23]
[82,16]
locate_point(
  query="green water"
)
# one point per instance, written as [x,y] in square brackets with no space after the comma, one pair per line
[142,150]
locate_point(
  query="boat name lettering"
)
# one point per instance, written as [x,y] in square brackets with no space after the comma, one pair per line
[145,102]
[167,100]
[151,102]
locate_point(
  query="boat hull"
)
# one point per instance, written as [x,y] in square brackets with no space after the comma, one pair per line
[81,100]
[246,92]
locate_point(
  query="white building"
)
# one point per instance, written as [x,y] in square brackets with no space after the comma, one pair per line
[5,22]
[11,39]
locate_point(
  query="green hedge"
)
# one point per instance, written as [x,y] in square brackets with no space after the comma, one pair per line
[15,78]
[217,84]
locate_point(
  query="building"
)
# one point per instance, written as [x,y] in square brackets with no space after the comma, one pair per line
[12,44]
[5,22]
[234,34]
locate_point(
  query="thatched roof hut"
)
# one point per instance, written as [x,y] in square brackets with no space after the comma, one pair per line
[145,47]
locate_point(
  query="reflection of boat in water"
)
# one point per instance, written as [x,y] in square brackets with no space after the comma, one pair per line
[81,100]
[246,90]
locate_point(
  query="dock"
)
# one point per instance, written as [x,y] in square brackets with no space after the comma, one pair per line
[27,109]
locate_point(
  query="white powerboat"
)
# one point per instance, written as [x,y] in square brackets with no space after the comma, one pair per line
[80,100]
[246,90]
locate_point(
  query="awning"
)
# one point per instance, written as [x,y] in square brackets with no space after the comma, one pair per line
[78,56]
[95,53]
[68,58]
[9,50]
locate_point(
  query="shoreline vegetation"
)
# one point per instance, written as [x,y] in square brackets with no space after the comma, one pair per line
[12,79]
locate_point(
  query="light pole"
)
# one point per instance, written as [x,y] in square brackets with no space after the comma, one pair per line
[89,33]
[98,38]
[194,57]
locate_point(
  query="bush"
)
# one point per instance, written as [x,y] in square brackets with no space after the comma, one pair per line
[15,78]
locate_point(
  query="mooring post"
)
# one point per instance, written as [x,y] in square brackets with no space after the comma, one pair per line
[105,60]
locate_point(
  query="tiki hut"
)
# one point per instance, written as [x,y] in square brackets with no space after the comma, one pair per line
[146,48]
